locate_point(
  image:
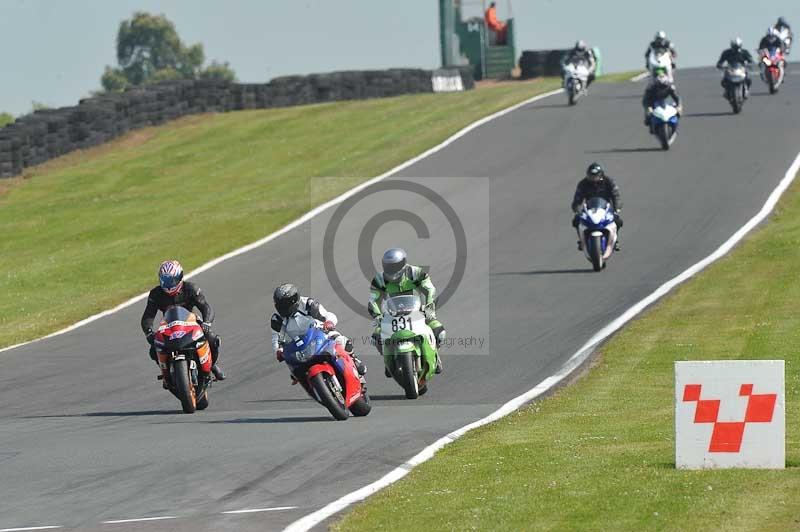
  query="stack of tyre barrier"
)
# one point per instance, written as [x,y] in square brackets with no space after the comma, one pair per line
[35,138]
[538,63]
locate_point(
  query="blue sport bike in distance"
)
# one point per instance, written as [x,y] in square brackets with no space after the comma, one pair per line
[597,231]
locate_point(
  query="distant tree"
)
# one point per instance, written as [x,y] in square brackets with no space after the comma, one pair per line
[150,50]
[216,70]
[6,118]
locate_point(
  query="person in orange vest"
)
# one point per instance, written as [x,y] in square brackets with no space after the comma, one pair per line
[495,25]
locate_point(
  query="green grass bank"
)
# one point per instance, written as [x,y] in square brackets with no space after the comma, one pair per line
[85,232]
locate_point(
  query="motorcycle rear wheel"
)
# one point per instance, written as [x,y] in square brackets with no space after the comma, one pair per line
[183,387]
[322,386]
[361,407]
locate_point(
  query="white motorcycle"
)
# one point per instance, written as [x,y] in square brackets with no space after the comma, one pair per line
[598,231]
[576,80]
[663,122]
[785,37]
[660,59]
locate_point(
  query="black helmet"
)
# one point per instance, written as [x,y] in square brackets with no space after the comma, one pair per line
[286,299]
[782,21]
[595,173]
[393,262]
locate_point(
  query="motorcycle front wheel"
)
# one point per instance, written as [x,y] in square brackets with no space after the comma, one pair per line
[597,253]
[408,374]
[323,386]
[183,386]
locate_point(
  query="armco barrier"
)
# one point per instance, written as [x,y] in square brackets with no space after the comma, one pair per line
[43,135]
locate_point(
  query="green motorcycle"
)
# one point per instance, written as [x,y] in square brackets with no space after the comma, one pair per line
[409,346]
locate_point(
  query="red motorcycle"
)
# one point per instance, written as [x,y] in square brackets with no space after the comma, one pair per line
[185,358]
[327,373]
[773,66]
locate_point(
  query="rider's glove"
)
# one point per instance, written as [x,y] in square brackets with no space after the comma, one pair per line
[328,326]
[279,354]
[430,312]
[150,336]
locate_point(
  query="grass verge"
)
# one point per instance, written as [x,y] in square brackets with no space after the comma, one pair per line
[87,231]
[599,455]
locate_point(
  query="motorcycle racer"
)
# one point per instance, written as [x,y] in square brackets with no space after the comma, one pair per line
[772,40]
[581,52]
[399,277]
[173,290]
[290,309]
[597,184]
[736,54]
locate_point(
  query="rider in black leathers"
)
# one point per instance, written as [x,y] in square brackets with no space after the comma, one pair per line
[184,294]
[772,40]
[597,184]
[736,54]
[661,89]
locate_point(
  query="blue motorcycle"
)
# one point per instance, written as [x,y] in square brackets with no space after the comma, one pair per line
[664,123]
[327,373]
[598,231]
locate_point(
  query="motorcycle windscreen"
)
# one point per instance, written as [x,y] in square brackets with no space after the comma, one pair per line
[402,305]
[598,204]
[301,350]
[177,313]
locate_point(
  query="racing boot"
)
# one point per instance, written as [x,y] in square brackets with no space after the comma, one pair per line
[360,366]
[440,334]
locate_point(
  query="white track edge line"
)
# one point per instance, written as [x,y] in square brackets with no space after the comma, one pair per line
[304,218]
[21,529]
[315,518]
[256,510]
[640,77]
[139,520]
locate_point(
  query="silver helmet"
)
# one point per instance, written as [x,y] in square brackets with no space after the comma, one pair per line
[393,262]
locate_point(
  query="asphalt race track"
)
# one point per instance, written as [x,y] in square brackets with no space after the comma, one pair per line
[87,435]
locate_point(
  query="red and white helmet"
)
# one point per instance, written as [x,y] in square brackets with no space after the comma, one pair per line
[170,276]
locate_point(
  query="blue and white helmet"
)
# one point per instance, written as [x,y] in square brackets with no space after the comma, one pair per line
[170,276]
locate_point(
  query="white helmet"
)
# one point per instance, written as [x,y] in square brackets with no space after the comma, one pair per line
[661,35]
[736,42]
[581,45]
[772,32]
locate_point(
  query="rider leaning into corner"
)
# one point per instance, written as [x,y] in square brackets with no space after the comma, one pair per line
[660,41]
[581,52]
[597,184]
[291,309]
[736,54]
[661,89]
[173,290]
[400,278]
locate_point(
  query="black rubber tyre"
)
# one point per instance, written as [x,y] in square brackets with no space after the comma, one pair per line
[361,407]
[597,253]
[663,136]
[571,95]
[183,386]
[408,375]
[320,383]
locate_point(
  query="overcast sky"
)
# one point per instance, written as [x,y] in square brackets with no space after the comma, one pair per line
[54,51]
